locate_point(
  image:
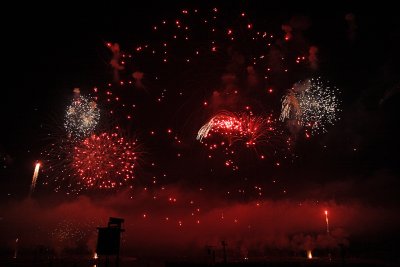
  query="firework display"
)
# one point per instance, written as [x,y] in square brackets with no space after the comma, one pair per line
[231,133]
[235,127]
[204,63]
[313,104]
[81,117]
[104,161]
[248,129]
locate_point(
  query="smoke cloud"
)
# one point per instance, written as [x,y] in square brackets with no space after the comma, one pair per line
[179,221]
[115,60]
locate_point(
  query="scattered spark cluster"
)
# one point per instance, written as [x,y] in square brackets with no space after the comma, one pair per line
[82,117]
[56,167]
[313,104]
[235,127]
[72,233]
[104,161]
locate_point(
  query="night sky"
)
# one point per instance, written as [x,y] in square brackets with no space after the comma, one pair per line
[183,195]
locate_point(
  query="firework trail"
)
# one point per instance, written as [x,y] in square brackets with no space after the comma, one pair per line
[312,104]
[327,222]
[34,178]
[204,130]
[290,105]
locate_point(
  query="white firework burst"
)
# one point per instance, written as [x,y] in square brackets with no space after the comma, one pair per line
[82,117]
[313,104]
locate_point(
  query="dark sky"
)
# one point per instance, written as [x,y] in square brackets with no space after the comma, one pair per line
[50,49]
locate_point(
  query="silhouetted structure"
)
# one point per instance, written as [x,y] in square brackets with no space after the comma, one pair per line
[211,254]
[224,244]
[109,239]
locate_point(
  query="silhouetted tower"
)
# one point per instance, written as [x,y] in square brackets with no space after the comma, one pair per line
[211,254]
[224,244]
[109,239]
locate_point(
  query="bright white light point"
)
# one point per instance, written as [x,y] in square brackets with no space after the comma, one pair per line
[309,254]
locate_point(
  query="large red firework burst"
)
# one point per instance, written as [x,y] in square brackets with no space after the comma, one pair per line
[105,161]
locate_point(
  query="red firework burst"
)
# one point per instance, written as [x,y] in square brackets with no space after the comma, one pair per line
[236,127]
[104,161]
[229,132]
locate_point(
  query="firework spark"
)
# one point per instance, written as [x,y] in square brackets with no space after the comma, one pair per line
[104,161]
[312,103]
[72,233]
[57,159]
[82,117]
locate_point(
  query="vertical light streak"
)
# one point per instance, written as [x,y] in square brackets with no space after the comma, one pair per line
[327,222]
[34,178]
